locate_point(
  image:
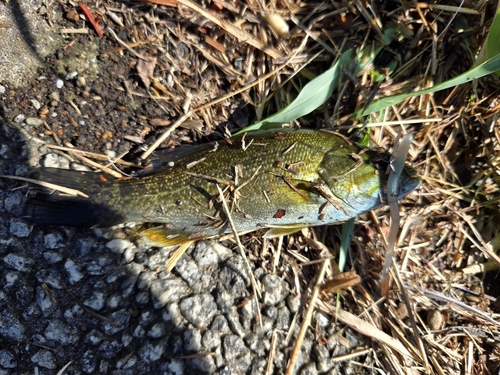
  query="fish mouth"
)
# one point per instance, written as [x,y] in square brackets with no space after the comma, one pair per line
[408,182]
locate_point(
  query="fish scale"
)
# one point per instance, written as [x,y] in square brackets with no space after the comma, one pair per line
[290,179]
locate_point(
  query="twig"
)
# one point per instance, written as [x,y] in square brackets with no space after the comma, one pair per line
[242,250]
[307,319]
[165,135]
[48,185]
[239,34]
[126,46]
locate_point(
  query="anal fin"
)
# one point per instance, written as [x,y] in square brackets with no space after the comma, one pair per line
[163,237]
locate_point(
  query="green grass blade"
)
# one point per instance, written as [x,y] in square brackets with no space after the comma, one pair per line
[492,45]
[314,94]
[488,67]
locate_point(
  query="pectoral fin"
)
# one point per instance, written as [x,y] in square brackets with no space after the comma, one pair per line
[278,231]
[163,237]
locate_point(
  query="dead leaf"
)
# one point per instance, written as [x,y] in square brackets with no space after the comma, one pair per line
[146,69]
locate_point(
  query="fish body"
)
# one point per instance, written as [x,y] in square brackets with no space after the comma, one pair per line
[284,180]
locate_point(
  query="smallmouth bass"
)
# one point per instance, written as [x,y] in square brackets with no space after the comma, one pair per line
[283,180]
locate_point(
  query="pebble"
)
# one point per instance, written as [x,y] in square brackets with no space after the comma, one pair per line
[309,369]
[70,76]
[44,358]
[118,245]
[7,359]
[157,331]
[110,349]
[18,262]
[168,290]
[60,333]
[59,83]
[34,121]
[53,241]
[205,255]
[43,300]
[52,256]
[19,118]
[150,352]
[51,160]
[96,302]
[199,310]
[192,340]
[36,104]
[10,326]
[50,277]
[275,289]
[88,362]
[54,95]
[80,81]
[19,228]
[74,271]
[236,353]
[121,317]
[2,89]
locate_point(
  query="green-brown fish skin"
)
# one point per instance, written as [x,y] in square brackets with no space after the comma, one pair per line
[282,179]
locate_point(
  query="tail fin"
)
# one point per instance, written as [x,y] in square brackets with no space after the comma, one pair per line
[43,207]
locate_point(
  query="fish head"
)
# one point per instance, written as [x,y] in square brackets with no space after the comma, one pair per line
[359,180]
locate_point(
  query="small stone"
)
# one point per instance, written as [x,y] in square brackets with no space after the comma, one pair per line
[205,255]
[309,369]
[157,331]
[118,245]
[121,317]
[7,359]
[236,353]
[72,15]
[19,118]
[43,300]
[17,262]
[109,349]
[54,95]
[52,256]
[96,302]
[10,326]
[151,352]
[275,290]
[19,228]
[111,153]
[74,271]
[71,76]
[34,121]
[80,81]
[59,83]
[199,310]
[60,333]
[53,241]
[2,89]
[44,358]
[51,160]
[168,290]
[36,104]
[192,340]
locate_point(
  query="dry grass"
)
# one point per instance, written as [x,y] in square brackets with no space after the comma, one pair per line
[435,318]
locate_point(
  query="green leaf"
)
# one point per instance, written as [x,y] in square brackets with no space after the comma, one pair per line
[492,45]
[314,94]
[488,67]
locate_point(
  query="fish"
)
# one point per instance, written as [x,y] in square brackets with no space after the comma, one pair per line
[279,180]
